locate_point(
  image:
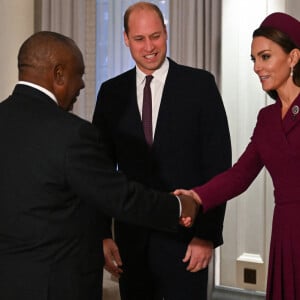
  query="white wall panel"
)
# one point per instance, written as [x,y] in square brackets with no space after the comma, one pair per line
[16,23]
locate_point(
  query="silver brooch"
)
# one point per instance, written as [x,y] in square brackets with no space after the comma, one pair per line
[295,110]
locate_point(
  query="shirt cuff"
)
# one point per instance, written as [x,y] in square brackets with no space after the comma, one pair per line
[180,206]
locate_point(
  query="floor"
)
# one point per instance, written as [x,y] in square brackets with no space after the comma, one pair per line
[110,287]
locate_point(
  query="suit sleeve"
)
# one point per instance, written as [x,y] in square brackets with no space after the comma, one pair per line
[90,174]
[216,158]
[99,122]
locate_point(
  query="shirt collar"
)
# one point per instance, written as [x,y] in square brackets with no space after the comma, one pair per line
[160,73]
[40,88]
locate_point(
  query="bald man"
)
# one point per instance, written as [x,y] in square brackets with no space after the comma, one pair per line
[53,175]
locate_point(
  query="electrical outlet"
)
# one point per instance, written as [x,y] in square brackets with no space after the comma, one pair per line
[250,276]
[251,272]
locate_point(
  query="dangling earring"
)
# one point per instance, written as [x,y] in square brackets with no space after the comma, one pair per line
[292,72]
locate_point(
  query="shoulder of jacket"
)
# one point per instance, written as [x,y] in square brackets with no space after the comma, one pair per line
[188,69]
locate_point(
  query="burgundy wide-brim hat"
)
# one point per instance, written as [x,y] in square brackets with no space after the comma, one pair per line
[284,23]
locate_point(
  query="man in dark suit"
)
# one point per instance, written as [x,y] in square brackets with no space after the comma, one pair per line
[53,174]
[191,144]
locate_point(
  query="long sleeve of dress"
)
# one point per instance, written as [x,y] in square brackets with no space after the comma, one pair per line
[232,182]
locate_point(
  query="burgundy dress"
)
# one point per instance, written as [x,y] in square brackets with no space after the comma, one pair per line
[275,144]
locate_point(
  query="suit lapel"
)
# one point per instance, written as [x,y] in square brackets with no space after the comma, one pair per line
[130,117]
[292,117]
[285,140]
[165,109]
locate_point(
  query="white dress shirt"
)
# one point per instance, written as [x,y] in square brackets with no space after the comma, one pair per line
[157,86]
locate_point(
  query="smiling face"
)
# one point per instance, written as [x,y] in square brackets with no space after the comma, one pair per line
[271,64]
[146,39]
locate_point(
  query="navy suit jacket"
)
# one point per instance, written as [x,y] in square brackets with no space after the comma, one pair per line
[191,141]
[53,174]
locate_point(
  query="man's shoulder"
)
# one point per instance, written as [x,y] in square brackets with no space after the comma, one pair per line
[188,70]
[69,128]
[123,77]
[189,76]
[73,120]
[59,120]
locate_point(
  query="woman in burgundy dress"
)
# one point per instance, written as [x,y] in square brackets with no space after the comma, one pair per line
[275,144]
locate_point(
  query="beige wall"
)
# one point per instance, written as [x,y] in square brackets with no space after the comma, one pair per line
[16,24]
[293,8]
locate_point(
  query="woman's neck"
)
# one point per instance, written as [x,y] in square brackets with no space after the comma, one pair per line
[287,97]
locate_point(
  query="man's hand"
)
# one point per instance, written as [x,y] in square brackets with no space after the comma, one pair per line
[190,208]
[112,257]
[190,193]
[198,254]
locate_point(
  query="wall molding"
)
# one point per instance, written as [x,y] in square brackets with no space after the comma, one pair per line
[228,293]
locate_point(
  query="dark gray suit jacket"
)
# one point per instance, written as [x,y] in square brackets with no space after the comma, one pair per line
[53,173]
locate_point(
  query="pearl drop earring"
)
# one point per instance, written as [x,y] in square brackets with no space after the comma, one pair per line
[292,72]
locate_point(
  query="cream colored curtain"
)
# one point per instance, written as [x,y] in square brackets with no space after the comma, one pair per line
[195,29]
[194,36]
[76,19]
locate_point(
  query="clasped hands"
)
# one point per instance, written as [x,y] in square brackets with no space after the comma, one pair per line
[190,202]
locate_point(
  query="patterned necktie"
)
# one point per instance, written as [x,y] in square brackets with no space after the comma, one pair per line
[147,111]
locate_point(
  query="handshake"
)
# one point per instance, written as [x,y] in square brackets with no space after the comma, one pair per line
[190,203]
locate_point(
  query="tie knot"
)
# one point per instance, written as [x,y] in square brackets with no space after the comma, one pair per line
[148,79]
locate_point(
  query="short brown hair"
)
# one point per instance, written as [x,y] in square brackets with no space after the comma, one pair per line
[141,5]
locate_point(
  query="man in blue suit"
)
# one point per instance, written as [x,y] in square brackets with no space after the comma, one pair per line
[191,144]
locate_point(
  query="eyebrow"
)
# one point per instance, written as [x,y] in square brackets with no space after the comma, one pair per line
[151,34]
[260,52]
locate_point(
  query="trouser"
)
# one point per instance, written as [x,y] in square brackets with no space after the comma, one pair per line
[157,272]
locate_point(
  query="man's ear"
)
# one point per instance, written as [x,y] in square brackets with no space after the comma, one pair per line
[59,74]
[126,40]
